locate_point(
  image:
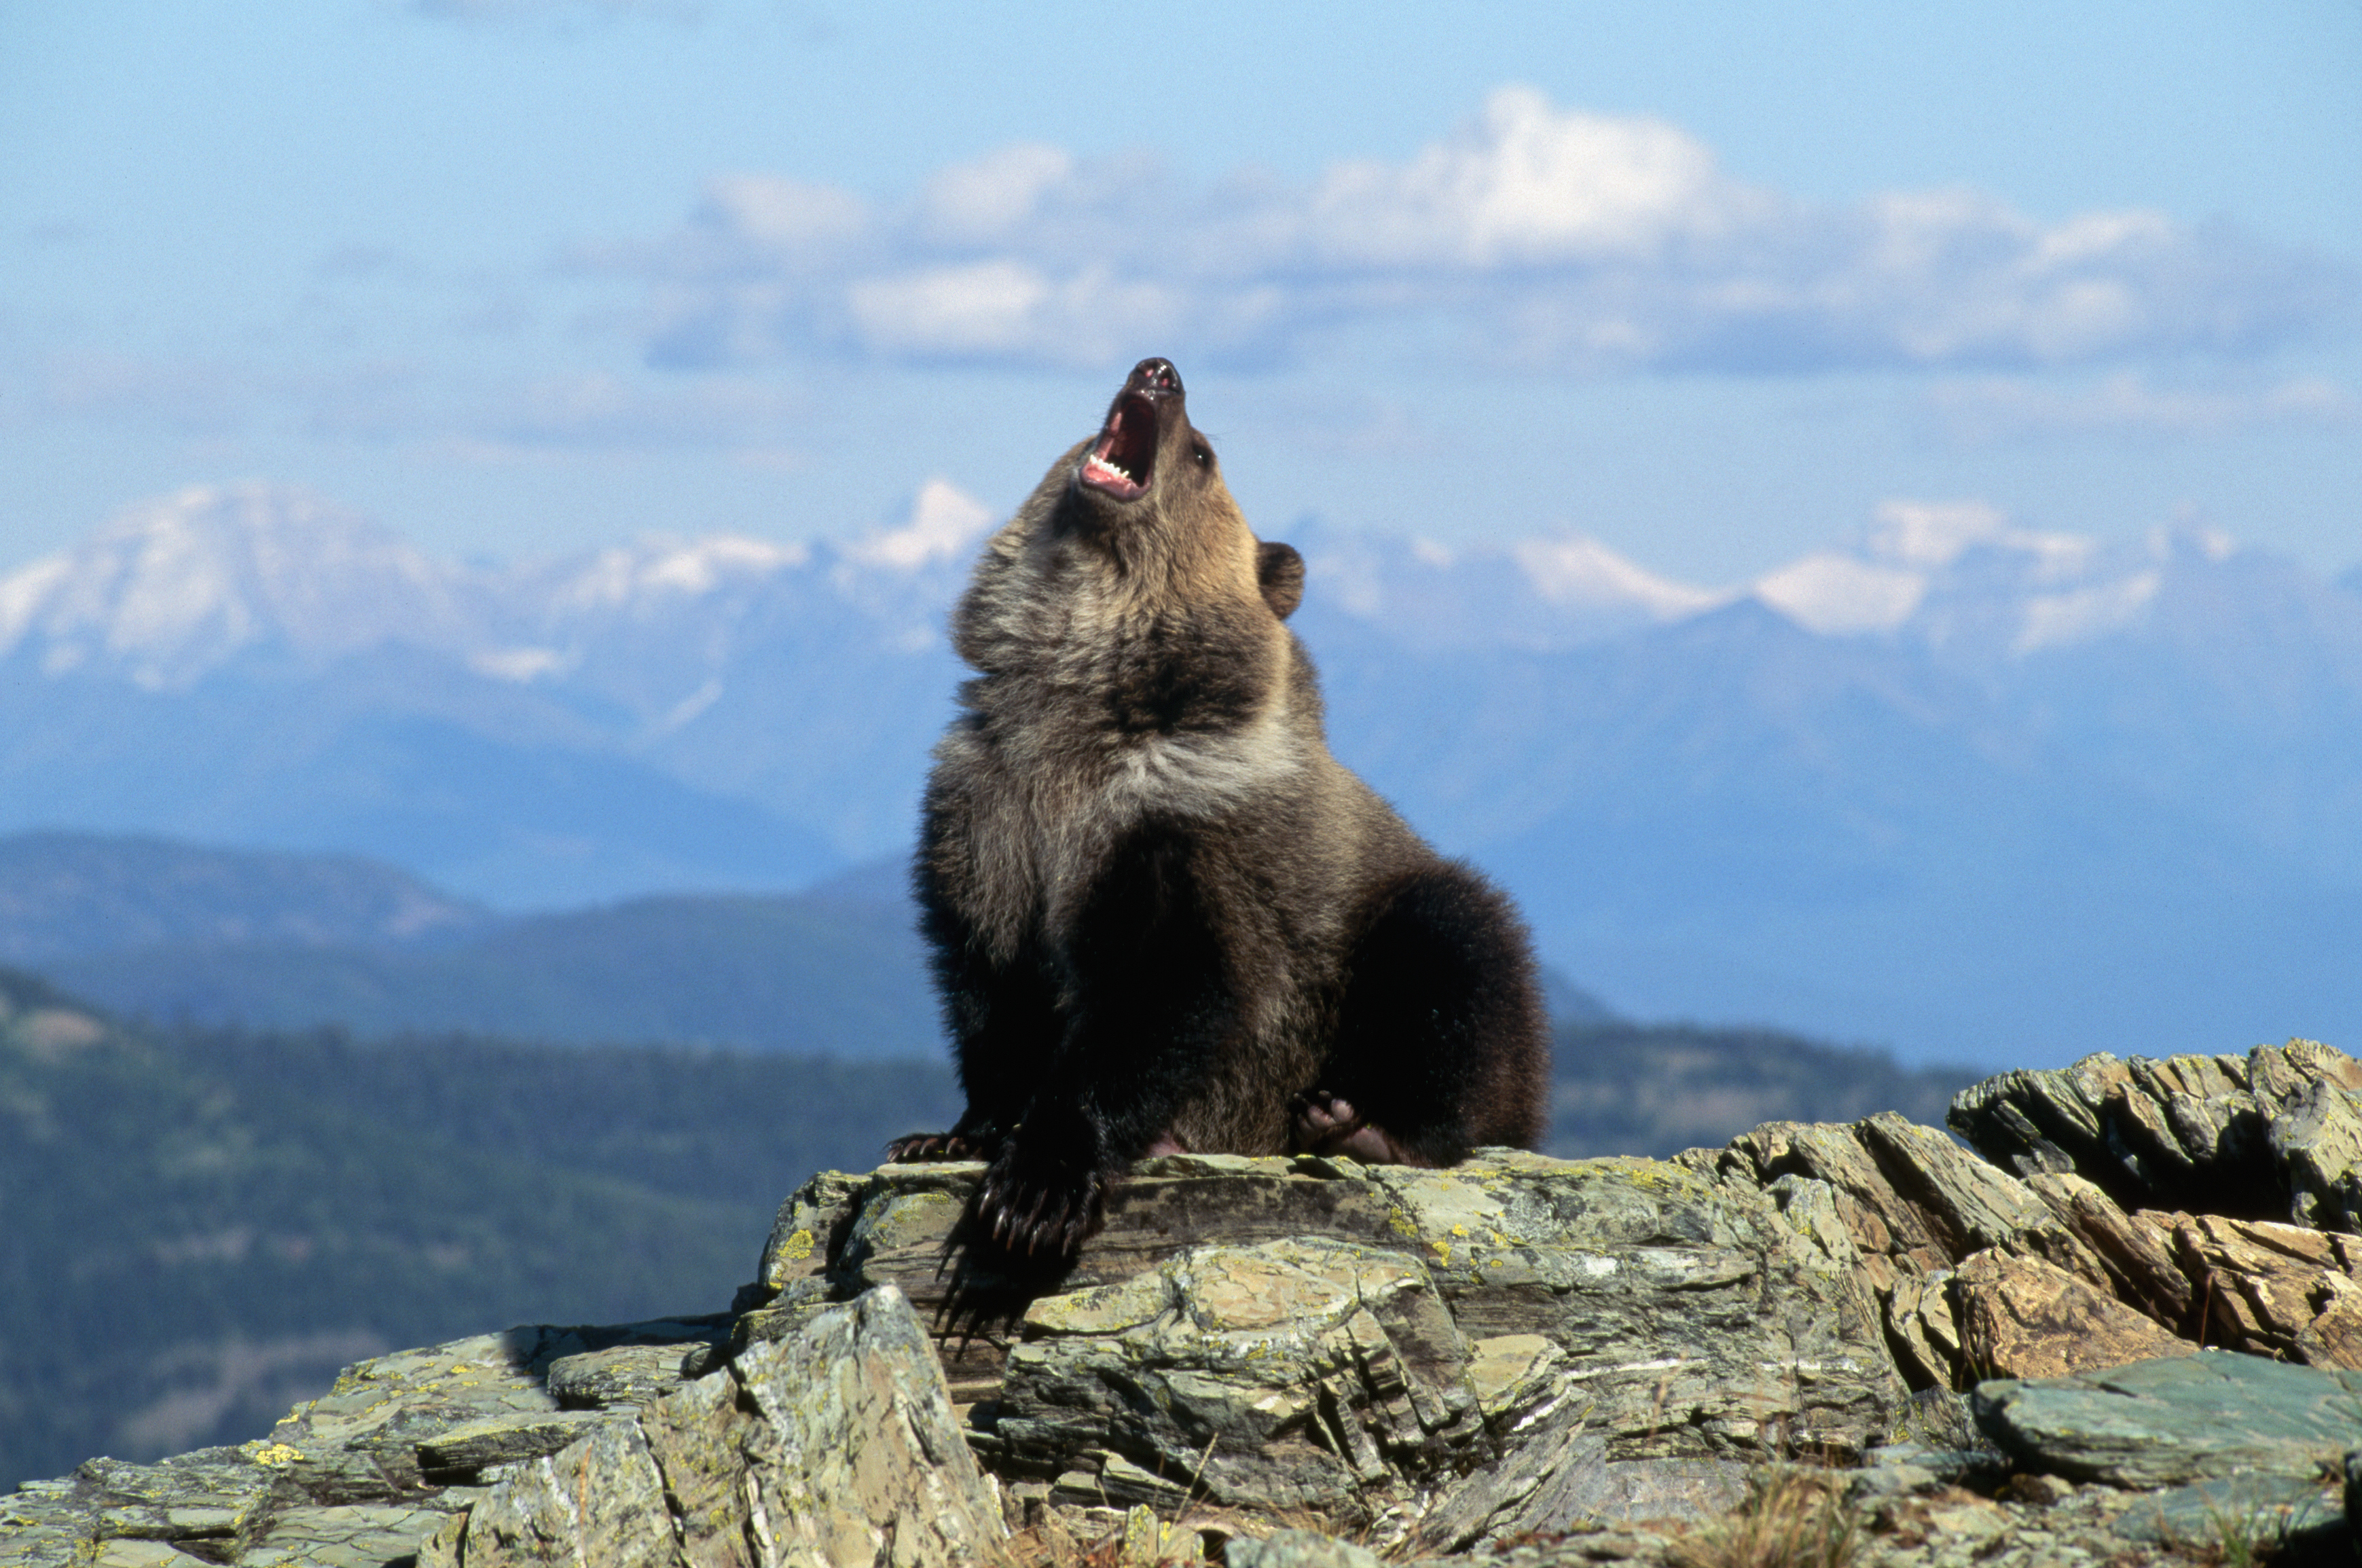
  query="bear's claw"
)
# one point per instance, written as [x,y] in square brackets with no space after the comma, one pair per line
[1041,1208]
[920,1146]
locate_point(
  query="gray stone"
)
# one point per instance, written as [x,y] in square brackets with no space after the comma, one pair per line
[1886,1477]
[2208,1133]
[1980,1468]
[340,1536]
[2288,1292]
[2259,1510]
[113,1553]
[600,1502]
[1914,1207]
[874,1466]
[2034,1122]
[1521,1353]
[1298,1548]
[1560,1478]
[2169,1422]
[1293,1373]
[623,1374]
[835,1446]
[2317,1139]
[2140,1265]
[1308,1327]
[469,1449]
[1695,1321]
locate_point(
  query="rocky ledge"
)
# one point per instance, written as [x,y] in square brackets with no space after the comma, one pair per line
[1919,1351]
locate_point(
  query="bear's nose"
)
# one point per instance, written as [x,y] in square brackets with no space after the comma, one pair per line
[1155,376]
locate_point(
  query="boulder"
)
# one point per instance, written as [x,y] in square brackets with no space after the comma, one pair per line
[2174,1421]
[2274,1135]
[2023,1317]
[2145,1181]
[2135,1253]
[1913,1206]
[1274,1334]
[834,1447]
[2282,1291]
[382,1461]
[2316,1141]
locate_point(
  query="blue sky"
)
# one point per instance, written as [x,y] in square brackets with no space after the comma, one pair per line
[1706,282]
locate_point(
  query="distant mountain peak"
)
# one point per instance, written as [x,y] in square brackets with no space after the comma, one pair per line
[1577,571]
[171,586]
[1546,592]
[1961,578]
[1929,533]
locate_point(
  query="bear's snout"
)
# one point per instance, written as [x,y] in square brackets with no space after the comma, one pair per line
[1156,378]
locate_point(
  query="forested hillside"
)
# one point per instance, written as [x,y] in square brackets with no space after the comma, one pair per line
[204,1224]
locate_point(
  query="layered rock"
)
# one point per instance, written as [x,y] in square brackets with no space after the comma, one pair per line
[1274,1334]
[2064,1251]
[362,1475]
[1517,1350]
[832,1446]
[2274,1135]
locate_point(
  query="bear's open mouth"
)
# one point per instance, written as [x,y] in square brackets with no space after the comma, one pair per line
[1121,461]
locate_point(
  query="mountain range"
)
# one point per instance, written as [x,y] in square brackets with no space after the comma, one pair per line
[1979,790]
[187,934]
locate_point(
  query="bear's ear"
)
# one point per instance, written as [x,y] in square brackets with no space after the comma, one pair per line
[1281,571]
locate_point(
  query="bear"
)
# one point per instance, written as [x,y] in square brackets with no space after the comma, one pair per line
[1162,917]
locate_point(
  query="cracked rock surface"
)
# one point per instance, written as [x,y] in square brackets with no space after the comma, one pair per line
[2124,1327]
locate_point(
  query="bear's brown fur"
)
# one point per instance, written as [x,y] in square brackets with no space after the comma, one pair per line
[1162,916]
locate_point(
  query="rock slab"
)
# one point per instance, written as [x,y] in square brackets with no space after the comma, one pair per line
[834,1447]
[2174,1421]
[1272,1335]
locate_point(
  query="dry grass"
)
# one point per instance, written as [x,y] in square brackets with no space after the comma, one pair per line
[1794,1518]
[1145,1541]
[1050,1544]
[1141,1540]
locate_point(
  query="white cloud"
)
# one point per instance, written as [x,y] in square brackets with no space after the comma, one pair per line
[945,523]
[1525,185]
[1536,234]
[783,218]
[986,200]
[1004,307]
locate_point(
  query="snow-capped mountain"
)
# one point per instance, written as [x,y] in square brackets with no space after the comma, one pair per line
[1951,782]
[176,588]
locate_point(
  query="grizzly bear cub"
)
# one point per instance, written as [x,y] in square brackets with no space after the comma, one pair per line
[1163,917]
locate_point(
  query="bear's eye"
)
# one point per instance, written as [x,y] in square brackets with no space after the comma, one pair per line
[1203,453]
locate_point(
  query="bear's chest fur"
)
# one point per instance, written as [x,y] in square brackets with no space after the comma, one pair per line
[1056,771]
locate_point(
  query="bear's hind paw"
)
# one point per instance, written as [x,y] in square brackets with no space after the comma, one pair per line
[1324,1123]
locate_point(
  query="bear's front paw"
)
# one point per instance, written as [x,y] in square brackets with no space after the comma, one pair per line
[1043,1196]
[953,1145]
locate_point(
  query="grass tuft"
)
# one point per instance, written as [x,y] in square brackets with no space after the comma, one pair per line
[1792,1516]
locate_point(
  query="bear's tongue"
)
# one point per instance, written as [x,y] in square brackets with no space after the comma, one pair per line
[1121,461]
